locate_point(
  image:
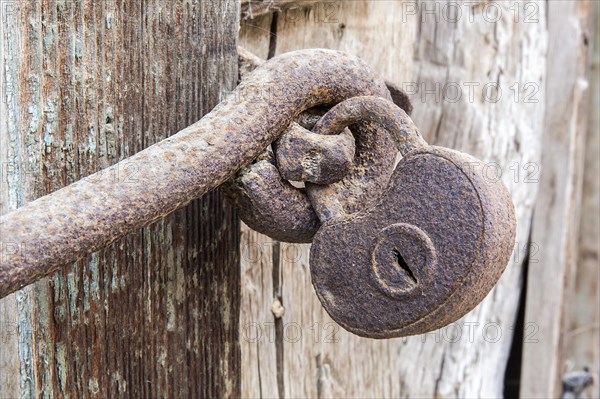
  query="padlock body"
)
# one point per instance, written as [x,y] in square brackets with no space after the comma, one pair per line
[428,252]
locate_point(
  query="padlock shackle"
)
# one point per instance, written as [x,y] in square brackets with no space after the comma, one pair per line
[373,109]
[328,201]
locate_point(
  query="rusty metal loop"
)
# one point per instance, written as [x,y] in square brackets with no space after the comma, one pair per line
[268,203]
[373,109]
[258,190]
[332,200]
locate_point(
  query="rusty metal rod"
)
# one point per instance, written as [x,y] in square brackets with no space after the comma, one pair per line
[88,215]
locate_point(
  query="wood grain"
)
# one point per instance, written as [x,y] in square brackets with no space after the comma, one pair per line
[555,226]
[412,50]
[582,339]
[255,8]
[556,220]
[155,314]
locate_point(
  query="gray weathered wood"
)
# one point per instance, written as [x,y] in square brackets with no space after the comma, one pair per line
[253,8]
[410,49]
[86,84]
[556,221]
[582,339]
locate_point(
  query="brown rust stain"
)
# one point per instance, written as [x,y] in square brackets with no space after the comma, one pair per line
[316,158]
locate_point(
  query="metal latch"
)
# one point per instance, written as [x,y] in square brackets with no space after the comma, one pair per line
[395,251]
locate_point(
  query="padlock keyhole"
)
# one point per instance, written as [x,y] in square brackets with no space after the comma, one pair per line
[402,260]
[403,265]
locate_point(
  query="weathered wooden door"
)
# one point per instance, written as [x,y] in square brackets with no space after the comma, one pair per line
[197,306]
[84,85]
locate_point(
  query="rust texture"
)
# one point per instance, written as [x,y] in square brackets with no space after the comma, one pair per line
[268,203]
[362,181]
[88,215]
[399,97]
[341,198]
[427,252]
[315,158]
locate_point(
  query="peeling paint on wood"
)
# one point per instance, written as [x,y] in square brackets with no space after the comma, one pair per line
[92,83]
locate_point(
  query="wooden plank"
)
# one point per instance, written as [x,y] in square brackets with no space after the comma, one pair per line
[555,225]
[257,324]
[412,49]
[9,199]
[583,337]
[156,313]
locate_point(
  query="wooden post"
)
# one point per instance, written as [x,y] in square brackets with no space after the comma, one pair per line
[84,85]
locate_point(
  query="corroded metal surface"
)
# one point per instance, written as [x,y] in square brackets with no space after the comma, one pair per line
[430,249]
[88,215]
[399,97]
[425,251]
[268,203]
[339,198]
[256,191]
[316,158]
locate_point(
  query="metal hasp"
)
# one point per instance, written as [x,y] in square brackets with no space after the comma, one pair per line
[395,251]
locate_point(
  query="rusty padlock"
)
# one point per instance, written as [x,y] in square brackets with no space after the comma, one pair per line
[422,256]
[427,252]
